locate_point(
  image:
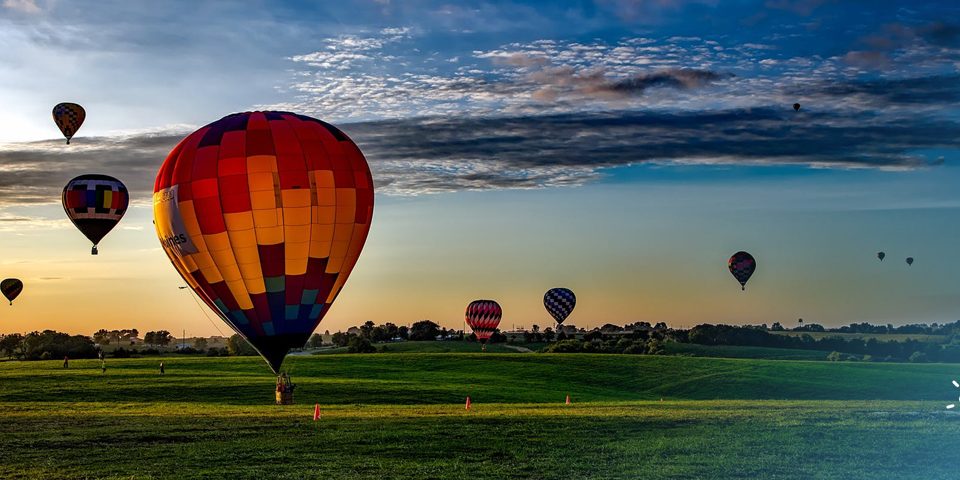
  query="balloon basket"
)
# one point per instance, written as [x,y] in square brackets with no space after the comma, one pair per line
[284,389]
[284,398]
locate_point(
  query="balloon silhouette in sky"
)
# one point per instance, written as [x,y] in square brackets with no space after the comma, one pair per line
[11,288]
[796,107]
[264,215]
[881,255]
[742,266]
[909,260]
[559,302]
[68,117]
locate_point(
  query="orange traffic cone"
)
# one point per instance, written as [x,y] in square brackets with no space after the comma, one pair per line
[316,412]
[568,399]
[467,407]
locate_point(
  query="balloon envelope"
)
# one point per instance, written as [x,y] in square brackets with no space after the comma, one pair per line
[909,260]
[796,107]
[881,255]
[483,317]
[264,215]
[11,288]
[68,117]
[559,302]
[95,203]
[742,266]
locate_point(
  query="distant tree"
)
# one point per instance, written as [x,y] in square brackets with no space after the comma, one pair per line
[497,337]
[326,332]
[101,337]
[548,335]
[316,341]
[200,344]
[777,327]
[163,338]
[660,326]
[561,336]
[917,357]
[403,332]
[835,356]
[366,330]
[360,344]
[12,345]
[424,330]
[238,346]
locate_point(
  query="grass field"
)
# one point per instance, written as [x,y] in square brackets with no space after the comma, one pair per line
[881,337]
[734,351]
[402,416]
[433,347]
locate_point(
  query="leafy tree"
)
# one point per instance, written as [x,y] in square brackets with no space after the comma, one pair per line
[12,345]
[316,341]
[424,330]
[101,337]
[548,334]
[360,344]
[200,344]
[238,346]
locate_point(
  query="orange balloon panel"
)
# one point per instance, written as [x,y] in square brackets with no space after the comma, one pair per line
[264,214]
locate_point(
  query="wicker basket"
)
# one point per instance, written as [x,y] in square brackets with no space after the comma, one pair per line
[284,398]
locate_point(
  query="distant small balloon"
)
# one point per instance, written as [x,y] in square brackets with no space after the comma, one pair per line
[68,117]
[483,317]
[742,266]
[95,203]
[11,288]
[881,255]
[796,107]
[909,260]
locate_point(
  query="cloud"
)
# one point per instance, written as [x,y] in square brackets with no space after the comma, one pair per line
[23,6]
[907,45]
[453,153]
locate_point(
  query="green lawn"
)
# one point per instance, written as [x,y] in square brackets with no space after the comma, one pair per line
[733,351]
[430,347]
[402,416]
[881,337]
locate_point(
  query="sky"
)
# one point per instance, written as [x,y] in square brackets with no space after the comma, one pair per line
[623,149]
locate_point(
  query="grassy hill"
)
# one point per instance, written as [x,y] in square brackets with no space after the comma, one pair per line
[402,416]
[880,337]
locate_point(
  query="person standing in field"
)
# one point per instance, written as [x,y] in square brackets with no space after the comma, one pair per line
[66,362]
[161,368]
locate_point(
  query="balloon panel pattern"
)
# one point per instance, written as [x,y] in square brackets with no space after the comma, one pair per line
[742,266]
[11,288]
[483,317]
[68,117]
[264,215]
[95,203]
[559,303]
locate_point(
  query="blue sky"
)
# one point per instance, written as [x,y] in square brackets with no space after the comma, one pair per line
[621,148]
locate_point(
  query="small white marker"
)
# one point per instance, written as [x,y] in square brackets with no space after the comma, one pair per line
[955,384]
[950,406]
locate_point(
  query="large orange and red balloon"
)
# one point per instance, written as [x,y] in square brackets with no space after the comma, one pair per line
[264,215]
[483,317]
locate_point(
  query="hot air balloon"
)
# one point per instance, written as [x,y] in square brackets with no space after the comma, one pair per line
[559,303]
[95,203]
[483,317]
[909,260]
[68,117]
[796,107]
[881,255]
[742,265]
[11,288]
[264,215]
